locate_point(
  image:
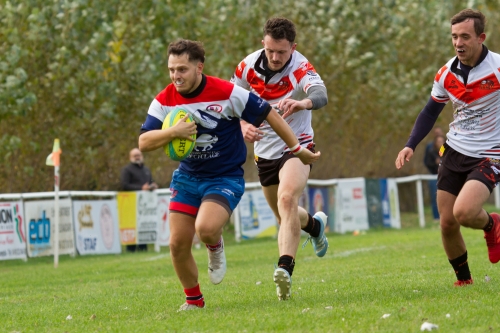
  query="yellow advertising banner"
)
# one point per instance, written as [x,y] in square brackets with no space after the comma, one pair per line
[127,216]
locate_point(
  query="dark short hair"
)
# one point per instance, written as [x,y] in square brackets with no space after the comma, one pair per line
[193,49]
[471,14]
[280,28]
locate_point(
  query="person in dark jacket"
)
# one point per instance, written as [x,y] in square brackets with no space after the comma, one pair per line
[136,177]
[431,161]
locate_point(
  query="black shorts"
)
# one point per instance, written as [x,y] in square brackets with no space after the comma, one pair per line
[269,170]
[456,169]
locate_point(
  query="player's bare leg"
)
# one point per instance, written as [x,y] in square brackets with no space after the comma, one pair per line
[453,242]
[181,236]
[465,210]
[293,179]
[468,209]
[283,200]
[182,231]
[452,239]
[209,223]
[469,212]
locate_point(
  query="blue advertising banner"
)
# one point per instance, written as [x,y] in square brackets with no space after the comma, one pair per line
[386,205]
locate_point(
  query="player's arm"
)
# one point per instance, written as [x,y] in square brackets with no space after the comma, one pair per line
[423,125]
[317,97]
[155,138]
[250,132]
[284,131]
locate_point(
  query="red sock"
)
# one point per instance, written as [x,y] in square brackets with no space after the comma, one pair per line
[194,296]
[214,247]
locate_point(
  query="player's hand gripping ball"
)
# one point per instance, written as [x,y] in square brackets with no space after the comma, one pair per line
[179,148]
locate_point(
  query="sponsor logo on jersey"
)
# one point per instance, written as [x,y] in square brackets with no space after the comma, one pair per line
[486,85]
[205,142]
[203,118]
[312,73]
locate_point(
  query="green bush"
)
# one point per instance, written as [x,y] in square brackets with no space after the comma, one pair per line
[86,72]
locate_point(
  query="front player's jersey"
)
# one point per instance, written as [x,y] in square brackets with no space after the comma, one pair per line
[475,129]
[216,106]
[293,81]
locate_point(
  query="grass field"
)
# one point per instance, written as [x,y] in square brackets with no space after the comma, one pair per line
[404,273]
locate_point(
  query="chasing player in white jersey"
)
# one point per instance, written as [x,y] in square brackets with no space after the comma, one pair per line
[283,77]
[470,163]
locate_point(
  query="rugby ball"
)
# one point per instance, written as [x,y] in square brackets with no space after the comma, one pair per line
[178,149]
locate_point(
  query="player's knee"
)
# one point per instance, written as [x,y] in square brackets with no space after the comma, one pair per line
[463,216]
[207,235]
[448,225]
[286,201]
[179,248]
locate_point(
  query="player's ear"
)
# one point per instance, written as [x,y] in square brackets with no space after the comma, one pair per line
[482,37]
[199,68]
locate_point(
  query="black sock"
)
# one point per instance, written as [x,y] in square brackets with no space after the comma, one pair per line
[461,267]
[490,223]
[287,263]
[313,227]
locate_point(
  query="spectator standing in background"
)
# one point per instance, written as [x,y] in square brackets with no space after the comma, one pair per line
[431,161]
[136,177]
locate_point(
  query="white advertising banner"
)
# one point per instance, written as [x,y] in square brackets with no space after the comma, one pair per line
[257,218]
[351,208]
[96,226]
[147,217]
[163,218]
[12,231]
[40,224]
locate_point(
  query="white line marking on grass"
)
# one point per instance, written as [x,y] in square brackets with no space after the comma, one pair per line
[362,249]
[161,256]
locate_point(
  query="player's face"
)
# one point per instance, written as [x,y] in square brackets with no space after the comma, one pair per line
[468,46]
[185,74]
[277,52]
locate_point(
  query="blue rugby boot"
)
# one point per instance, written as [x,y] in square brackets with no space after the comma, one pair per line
[320,243]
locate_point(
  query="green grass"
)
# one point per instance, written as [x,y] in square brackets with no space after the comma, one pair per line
[404,273]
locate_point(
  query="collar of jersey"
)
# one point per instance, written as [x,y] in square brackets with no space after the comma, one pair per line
[261,66]
[465,75]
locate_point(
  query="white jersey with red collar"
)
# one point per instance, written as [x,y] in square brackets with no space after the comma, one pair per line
[475,129]
[292,81]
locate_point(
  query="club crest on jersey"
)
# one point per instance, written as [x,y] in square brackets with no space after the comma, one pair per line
[214,108]
[283,85]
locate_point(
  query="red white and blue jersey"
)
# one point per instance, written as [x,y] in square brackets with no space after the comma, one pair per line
[293,81]
[216,106]
[475,129]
